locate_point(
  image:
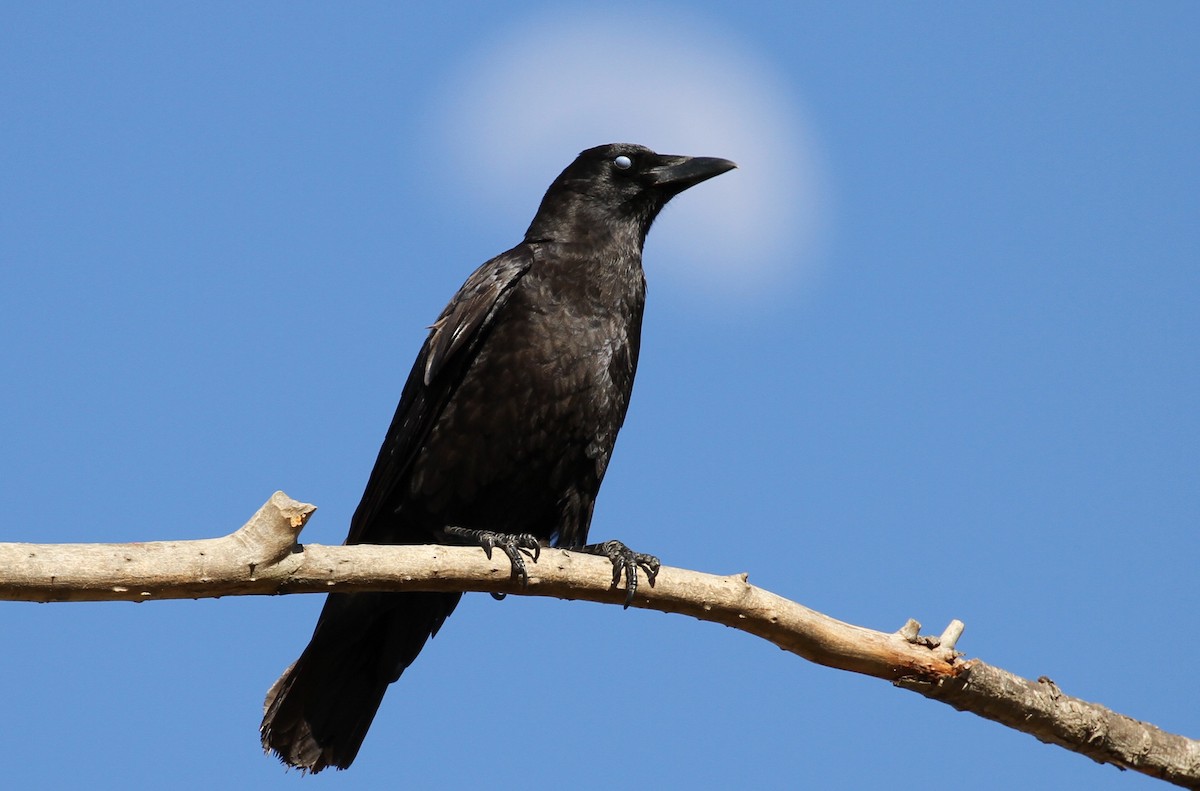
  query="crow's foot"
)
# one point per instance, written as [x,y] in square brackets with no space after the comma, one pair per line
[513,545]
[626,561]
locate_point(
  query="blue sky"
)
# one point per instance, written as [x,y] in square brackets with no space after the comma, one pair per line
[931,352]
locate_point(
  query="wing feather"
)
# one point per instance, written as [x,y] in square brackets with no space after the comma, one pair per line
[444,358]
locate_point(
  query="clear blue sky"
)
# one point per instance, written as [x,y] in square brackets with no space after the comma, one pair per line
[931,352]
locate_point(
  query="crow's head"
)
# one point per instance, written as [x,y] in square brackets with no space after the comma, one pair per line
[618,184]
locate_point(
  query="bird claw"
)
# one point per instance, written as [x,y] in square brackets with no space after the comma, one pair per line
[626,561]
[512,544]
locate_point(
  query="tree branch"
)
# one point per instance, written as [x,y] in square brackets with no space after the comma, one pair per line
[263,557]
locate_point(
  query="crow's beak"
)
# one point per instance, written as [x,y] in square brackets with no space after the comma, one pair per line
[679,173]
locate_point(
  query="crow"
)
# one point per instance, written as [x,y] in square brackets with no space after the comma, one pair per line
[501,438]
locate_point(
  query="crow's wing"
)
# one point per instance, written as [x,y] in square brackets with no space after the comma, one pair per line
[453,342]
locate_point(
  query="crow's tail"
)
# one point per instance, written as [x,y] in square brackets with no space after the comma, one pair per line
[318,712]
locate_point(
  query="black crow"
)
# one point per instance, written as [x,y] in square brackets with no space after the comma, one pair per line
[501,438]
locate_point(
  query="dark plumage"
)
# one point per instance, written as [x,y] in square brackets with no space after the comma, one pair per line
[506,424]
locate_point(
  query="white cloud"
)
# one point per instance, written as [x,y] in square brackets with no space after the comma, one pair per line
[519,112]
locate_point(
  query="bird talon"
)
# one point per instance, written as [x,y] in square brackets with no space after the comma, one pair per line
[625,561]
[529,545]
[650,565]
[631,581]
[518,563]
[513,546]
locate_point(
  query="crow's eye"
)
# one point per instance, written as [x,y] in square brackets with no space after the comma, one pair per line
[623,162]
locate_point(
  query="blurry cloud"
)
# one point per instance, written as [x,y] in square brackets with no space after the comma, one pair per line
[515,114]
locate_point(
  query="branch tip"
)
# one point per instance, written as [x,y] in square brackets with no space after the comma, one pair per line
[296,512]
[950,636]
[910,630]
[273,531]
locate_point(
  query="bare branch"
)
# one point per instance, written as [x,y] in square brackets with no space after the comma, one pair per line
[263,558]
[1041,709]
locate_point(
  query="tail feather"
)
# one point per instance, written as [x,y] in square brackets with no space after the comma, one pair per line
[318,712]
